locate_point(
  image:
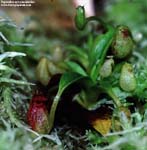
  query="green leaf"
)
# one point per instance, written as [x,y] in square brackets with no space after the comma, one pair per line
[4,38]
[75,57]
[66,80]
[10,54]
[99,52]
[12,81]
[21,44]
[75,67]
[77,50]
[89,101]
[8,69]
[78,54]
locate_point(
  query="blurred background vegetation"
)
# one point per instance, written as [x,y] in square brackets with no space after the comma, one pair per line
[47,24]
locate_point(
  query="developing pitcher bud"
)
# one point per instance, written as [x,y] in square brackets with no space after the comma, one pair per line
[53,68]
[42,72]
[106,68]
[122,44]
[57,54]
[80,18]
[37,115]
[127,79]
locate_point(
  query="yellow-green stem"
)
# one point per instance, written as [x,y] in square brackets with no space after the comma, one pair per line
[114,97]
[53,111]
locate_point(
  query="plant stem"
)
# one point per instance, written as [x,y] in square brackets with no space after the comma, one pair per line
[114,97]
[94,18]
[53,111]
